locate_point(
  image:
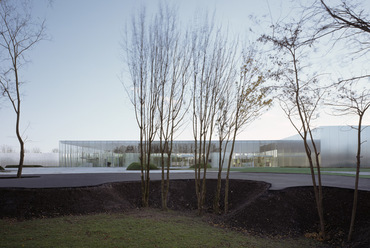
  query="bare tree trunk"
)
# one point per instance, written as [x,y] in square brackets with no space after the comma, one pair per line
[167,181]
[355,195]
[147,178]
[163,182]
[317,189]
[226,199]
[216,202]
[21,143]
[17,128]
[305,119]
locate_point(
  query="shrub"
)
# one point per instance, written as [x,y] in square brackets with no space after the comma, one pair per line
[24,166]
[201,166]
[137,166]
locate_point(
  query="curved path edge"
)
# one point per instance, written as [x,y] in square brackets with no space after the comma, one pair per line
[65,180]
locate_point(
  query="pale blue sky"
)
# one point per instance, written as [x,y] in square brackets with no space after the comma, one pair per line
[74,91]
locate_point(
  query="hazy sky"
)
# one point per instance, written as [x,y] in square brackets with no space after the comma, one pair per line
[74,91]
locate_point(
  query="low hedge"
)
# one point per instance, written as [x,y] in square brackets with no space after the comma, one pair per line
[201,166]
[137,166]
[24,166]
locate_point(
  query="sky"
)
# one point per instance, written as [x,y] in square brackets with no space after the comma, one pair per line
[74,88]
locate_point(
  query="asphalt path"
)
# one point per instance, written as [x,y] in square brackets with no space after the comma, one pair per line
[66,180]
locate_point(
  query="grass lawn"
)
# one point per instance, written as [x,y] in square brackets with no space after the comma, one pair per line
[326,171]
[139,228]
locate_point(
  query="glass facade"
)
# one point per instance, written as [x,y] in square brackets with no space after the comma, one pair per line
[122,153]
[337,146]
[97,153]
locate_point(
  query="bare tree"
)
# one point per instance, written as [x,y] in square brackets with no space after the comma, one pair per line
[348,22]
[140,56]
[229,63]
[224,128]
[240,104]
[18,35]
[208,48]
[356,101]
[158,60]
[173,61]
[300,96]
[252,97]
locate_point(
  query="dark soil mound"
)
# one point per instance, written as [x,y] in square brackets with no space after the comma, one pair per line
[292,212]
[29,203]
[288,212]
[34,203]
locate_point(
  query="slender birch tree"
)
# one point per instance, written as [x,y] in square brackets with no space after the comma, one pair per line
[19,33]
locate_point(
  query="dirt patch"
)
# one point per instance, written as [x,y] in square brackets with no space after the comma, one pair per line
[292,212]
[289,212]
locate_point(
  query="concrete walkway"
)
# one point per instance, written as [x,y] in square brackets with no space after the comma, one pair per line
[60,177]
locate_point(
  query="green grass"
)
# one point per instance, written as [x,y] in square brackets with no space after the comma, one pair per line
[147,228]
[325,171]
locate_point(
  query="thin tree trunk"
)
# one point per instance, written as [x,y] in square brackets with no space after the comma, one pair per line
[147,179]
[226,199]
[18,111]
[216,203]
[320,193]
[21,143]
[315,188]
[167,186]
[355,195]
[306,128]
[164,203]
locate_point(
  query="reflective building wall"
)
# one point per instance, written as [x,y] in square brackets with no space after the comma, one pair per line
[337,146]
[122,153]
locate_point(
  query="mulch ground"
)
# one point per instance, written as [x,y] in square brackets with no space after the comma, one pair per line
[253,207]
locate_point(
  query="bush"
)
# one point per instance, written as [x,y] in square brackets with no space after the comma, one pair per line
[201,166]
[137,166]
[24,166]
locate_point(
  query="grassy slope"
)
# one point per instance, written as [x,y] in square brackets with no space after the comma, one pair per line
[145,228]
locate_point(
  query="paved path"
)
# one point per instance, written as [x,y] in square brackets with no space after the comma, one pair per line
[80,177]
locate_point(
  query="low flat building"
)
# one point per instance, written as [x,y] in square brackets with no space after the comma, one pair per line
[337,146]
